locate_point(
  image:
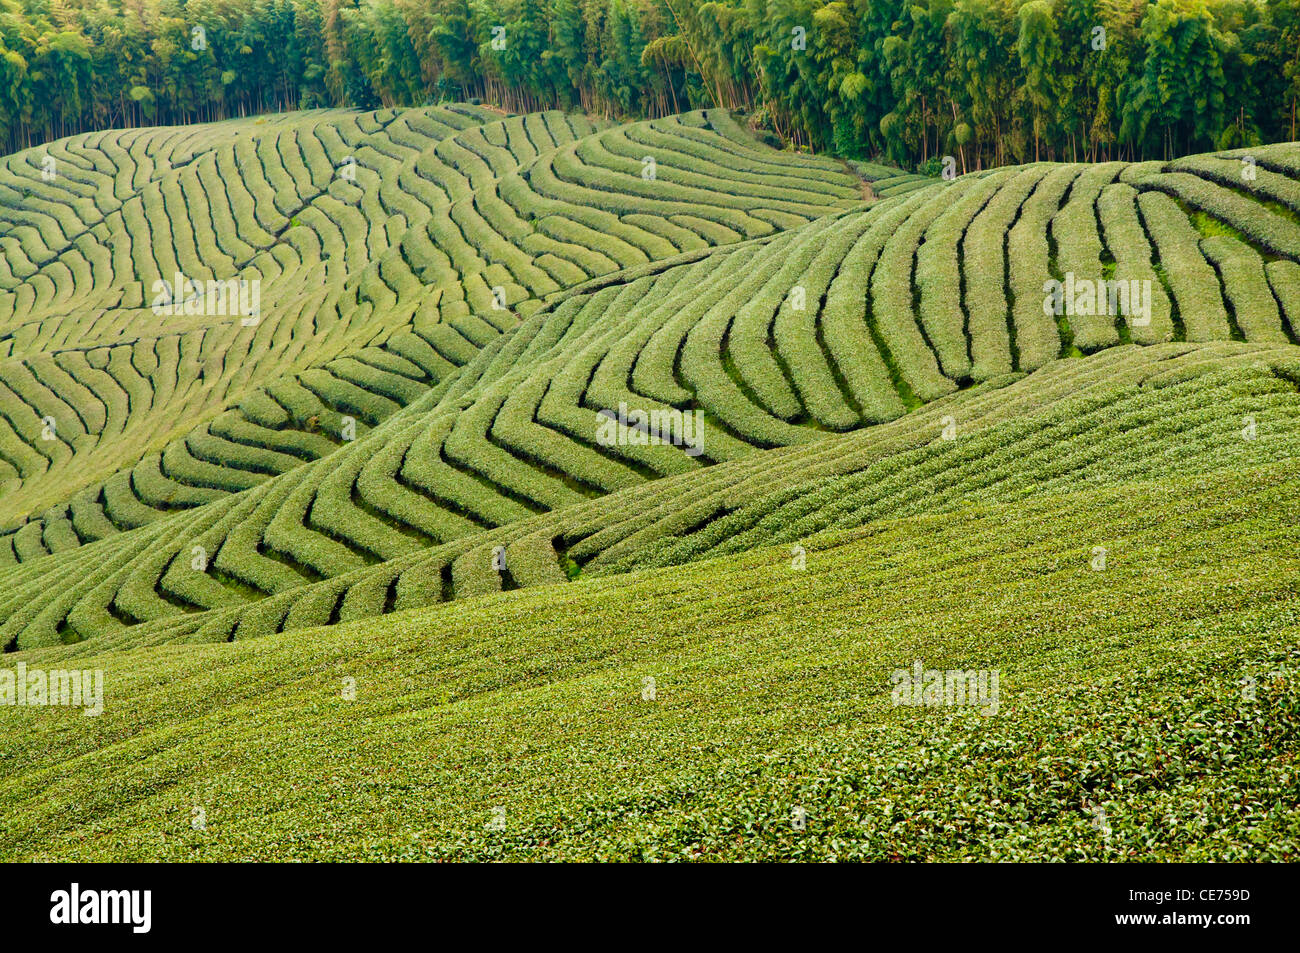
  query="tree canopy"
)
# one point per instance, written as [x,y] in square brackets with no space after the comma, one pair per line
[986,81]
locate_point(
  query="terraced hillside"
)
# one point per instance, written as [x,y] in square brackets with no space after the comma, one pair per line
[745,421]
[450,443]
[387,247]
[518,726]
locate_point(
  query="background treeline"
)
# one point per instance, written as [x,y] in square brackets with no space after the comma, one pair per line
[987,81]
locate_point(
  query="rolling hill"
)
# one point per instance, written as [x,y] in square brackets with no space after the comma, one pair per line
[755,424]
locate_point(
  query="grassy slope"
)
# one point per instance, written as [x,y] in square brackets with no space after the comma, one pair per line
[1120,687]
[501,451]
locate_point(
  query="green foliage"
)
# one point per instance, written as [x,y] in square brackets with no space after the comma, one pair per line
[1246,290]
[984,82]
[485,286]
[1115,695]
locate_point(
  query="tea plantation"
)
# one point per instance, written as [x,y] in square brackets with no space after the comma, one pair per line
[560,489]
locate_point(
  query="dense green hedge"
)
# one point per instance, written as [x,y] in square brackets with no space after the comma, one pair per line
[1192,280]
[1276,234]
[1245,287]
[1127,241]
